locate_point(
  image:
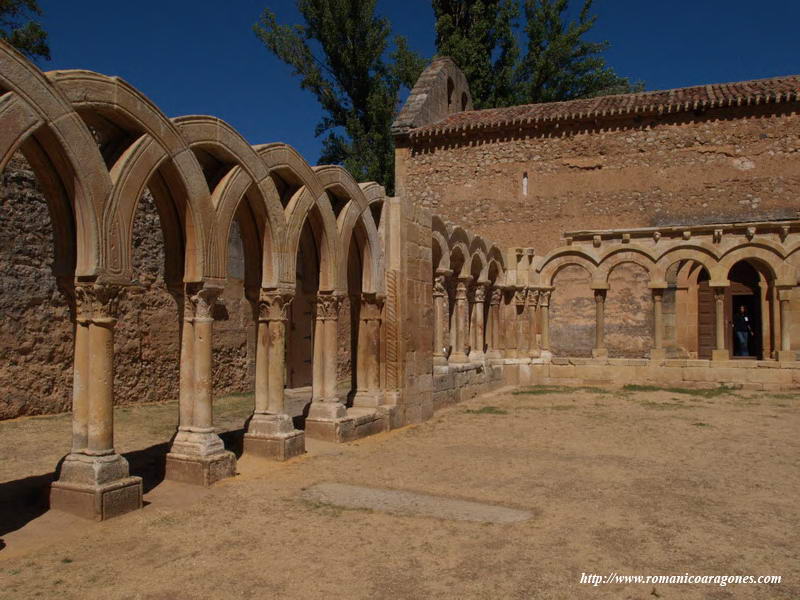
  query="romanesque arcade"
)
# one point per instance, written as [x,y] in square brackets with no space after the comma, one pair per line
[699,277]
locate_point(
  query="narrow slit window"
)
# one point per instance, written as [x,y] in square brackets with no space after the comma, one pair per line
[525,183]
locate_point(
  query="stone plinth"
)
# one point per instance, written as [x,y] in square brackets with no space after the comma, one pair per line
[199,458]
[96,487]
[273,437]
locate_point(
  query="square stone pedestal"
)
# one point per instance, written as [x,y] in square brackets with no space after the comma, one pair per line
[200,470]
[96,486]
[331,422]
[787,355]
[600,353]
[658,354]
[98,502]
[273,437]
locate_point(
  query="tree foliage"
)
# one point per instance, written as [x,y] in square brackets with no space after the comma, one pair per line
[19,28]
[558,63]
[340,55]
[479,36]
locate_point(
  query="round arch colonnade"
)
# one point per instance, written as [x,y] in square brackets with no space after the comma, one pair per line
[702,272]
[96,145]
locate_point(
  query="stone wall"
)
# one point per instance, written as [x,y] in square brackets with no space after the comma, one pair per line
[720,166]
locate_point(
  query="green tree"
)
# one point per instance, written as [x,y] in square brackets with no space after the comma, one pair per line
[340,55]
[478,35]
[19,28]
[559,64]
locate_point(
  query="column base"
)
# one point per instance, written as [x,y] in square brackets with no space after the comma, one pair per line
[439,360]
[200,470]
[600,353]
[198,456]
[96,487]
[273,437]
[658,354]
[458,358]
[331,424]
[720,355]
[369,398]
[535,353]
[786,355]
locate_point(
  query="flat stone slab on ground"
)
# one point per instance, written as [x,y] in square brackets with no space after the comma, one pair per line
[412,504]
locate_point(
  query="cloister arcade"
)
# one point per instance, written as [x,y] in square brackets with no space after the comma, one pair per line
[309,235]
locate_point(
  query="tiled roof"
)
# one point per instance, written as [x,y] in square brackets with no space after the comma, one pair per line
[759,91]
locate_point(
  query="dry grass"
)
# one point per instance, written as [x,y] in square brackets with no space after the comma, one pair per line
[634,481]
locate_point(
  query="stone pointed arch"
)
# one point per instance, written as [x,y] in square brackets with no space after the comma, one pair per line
[248,178]
[355,213]
[99,98]
[40,114]
[302,207]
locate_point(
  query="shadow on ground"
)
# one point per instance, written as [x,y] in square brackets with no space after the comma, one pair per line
[23,500]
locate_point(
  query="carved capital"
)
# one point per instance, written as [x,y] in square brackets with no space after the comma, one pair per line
[273,305]
[327,306]
[461,290]
[199,301]
[600,296]
[479,293]
[496,297]
[533,297]
[519,296]
[97,302]
[371,305]
[544,298]
[439,286]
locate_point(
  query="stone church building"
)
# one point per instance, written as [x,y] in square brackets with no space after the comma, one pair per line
[611,240]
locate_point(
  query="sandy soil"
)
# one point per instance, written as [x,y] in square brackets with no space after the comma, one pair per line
[633,482]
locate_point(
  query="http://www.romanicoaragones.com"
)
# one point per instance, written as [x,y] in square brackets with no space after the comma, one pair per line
[597,579]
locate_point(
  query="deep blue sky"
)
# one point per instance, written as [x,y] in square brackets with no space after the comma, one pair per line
[201,56]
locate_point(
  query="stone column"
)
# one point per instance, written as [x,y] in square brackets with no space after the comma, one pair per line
[599,350]
[532,305]
[786,353]
[458,355]
[521,329]
[369,374]
[198,455]
[439,312]
[271,432]
[94,481]
[493,329]
[658,353]
[544,315]
[479,298]
[719,352]
[326,411]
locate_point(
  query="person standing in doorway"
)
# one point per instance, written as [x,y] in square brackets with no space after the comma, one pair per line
[742,330]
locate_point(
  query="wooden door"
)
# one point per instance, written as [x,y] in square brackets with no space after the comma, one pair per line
[705,320]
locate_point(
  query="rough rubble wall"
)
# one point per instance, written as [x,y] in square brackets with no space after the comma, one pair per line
[724,165]
[629,313]
[36,332]
[572,313]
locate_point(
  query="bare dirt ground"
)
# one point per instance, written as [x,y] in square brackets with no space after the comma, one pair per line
[648,482]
